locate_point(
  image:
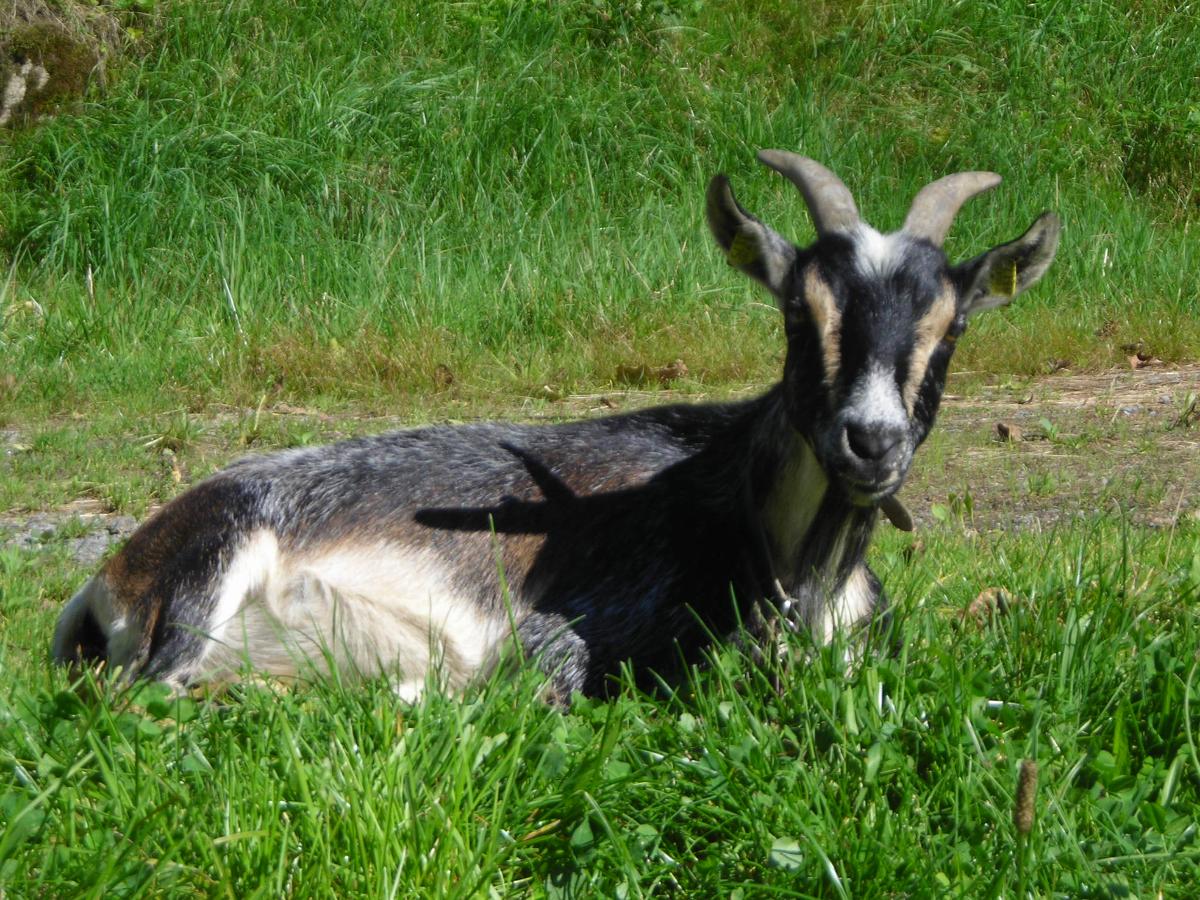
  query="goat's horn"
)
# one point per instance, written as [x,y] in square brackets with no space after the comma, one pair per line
[934,208]
[829,201]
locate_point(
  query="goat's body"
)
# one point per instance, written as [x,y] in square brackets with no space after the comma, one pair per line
[632,537]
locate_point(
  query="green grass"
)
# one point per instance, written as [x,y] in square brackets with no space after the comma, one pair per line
[327,201]
[893,778]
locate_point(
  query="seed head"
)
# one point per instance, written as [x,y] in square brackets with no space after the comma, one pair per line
[1026,792]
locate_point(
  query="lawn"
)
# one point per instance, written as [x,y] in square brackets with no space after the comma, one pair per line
[282,223]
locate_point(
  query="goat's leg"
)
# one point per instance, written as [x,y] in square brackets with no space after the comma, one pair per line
[549,642]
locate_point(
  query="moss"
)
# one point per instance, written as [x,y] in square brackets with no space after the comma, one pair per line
[70,40]
[68,61]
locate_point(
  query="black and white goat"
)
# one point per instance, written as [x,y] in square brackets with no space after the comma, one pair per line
[633,537]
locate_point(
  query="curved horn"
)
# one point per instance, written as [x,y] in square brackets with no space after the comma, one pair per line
[829,201]
[935,206]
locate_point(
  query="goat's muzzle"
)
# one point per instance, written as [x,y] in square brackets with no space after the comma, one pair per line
[871,460]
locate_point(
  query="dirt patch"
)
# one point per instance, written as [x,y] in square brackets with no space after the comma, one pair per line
[1071,446]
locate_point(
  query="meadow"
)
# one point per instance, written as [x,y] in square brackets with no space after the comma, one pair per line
[285,222]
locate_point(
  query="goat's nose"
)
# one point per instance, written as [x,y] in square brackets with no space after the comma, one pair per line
[873,443]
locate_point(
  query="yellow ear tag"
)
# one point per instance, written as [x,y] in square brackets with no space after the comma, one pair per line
[743,250]
[1004,280]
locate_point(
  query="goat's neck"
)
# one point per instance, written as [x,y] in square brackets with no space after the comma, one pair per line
[813,535]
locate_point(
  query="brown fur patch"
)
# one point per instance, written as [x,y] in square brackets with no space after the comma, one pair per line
[928,334]
[827,318]
[519,554]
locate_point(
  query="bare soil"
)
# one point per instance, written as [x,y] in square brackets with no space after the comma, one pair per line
[1026,454]
[1035,453]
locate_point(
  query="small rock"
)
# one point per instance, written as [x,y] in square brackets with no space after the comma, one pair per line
[34,532]
[91,548]
[991,601]
[1009,433]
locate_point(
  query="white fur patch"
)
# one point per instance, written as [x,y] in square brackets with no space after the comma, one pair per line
[365,609]
[875,254]
[794,501]
[851,605]
[875,399]
[254,565]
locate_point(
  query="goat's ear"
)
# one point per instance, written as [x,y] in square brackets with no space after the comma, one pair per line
[749,245]
[996,277]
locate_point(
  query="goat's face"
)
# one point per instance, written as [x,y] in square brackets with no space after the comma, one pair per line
[870,323]
[871,319]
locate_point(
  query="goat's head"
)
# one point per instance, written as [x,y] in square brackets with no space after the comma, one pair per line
[871,319]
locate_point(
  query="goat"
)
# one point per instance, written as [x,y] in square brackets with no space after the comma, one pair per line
[635,537]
